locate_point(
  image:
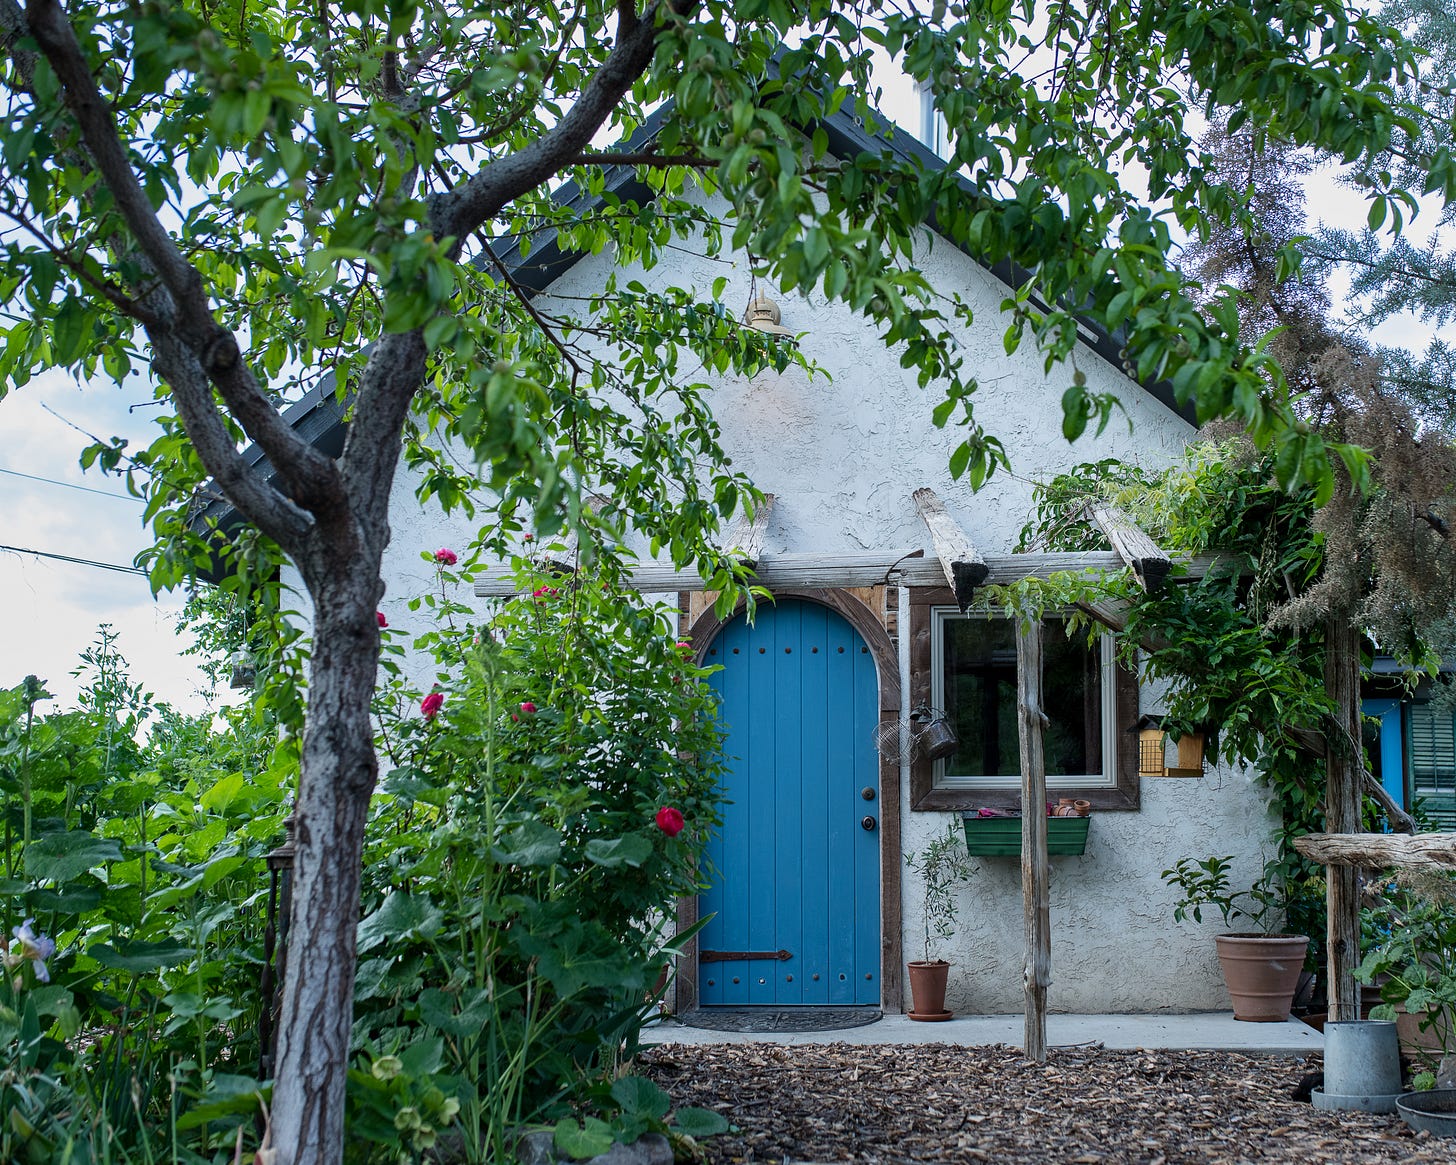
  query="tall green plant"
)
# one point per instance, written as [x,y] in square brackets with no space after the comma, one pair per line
[547,804]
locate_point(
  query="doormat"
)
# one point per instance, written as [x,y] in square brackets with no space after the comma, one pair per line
[779,1019]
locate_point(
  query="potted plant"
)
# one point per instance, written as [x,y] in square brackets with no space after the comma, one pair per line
[941,864]
[1410,939]
[1260,968]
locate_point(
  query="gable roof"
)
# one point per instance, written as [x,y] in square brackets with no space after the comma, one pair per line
[319,416]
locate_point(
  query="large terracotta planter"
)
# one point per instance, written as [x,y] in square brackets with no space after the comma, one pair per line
[1262,972]
[927,990]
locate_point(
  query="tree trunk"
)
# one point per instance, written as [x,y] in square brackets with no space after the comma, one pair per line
[1344,764]
[339,770]
[1035,868]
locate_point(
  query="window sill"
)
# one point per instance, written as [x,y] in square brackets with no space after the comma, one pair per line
[1008,799]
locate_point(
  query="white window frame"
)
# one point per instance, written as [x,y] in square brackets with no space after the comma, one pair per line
[1107,676]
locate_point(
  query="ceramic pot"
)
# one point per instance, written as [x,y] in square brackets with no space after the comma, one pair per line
[1262,972]
[927,990]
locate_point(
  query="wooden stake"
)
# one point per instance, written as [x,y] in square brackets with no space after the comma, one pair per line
[1344,765]
[962,563]
[1149,564]
[1035,868]
[746,537]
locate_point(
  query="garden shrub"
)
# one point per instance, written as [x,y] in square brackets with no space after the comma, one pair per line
[541,812]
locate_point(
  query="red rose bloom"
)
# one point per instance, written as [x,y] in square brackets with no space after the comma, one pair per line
[431,705]
[669,820]
[382,621]
[446,557]
[528,708]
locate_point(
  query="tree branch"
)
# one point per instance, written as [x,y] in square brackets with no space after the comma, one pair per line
[459,213]
[309,475]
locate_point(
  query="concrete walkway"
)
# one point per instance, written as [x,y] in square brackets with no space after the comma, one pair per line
[1205,1031]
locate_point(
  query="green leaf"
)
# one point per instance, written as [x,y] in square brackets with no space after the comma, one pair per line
[533,843]
[631,850]
[579,1142]
[62,856]
[639,1096]
[228,1095]
[699,1122]
[400,918]
[140,956]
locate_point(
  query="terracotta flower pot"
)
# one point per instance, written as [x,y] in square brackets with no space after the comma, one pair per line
[1262,972]
[927,990]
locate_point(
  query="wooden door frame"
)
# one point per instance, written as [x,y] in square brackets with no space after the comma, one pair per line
[887,670]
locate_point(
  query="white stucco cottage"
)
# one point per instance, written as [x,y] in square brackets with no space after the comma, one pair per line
[812,900]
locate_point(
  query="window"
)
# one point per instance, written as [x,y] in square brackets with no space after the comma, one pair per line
[1433,763]
[967,667]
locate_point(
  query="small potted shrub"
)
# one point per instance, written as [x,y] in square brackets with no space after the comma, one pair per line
[941,864]
[1411,960]
[1260,967]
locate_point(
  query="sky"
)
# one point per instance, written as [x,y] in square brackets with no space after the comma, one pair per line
[52,608]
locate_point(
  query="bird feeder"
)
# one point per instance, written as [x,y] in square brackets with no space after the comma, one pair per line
[244,669]
[1156,750]
[762,315]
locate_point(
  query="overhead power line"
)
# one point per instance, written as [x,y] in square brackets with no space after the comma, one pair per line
[106,493]
[77,561]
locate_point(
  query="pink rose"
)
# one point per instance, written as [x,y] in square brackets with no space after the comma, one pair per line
[381,620]
[530,538]
[430,706]
[685,647]
[528,708]
[669,820]
[446,557]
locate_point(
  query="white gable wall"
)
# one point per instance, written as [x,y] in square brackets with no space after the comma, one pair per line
[843,453]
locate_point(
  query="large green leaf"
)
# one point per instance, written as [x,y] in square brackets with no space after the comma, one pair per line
[639,1096]
[579,1142]
[533,843]
[59,857]
[140,956]
[400,918]
[699,1122]
[631,850]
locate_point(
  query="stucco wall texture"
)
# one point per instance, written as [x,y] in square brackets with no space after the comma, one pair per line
[842,453]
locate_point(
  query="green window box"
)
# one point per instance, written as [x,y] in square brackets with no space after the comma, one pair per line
[1001,836]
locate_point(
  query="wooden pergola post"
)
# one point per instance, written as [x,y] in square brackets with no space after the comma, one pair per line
[1035,868]
[1344,766]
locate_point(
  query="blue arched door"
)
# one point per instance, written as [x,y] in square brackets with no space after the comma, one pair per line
[794,874]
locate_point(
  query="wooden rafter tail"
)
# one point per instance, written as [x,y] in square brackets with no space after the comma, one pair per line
[745,538]
[1379,851]
[1149,565]
[965,568]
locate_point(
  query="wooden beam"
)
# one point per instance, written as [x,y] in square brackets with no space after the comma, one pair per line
[745,538]
[1035,866]
[1148,563]
[862,569]
[1343,766]
[1379,851]
[962,563]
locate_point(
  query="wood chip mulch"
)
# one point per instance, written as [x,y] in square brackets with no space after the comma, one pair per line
[885,1103]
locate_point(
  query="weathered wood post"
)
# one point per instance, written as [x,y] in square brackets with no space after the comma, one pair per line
[1344,767]
[1035,868]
